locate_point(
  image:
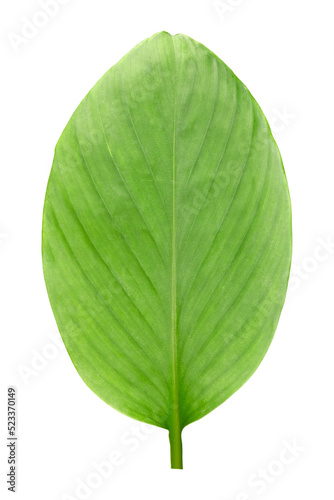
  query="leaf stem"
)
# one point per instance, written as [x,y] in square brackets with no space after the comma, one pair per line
[175,448]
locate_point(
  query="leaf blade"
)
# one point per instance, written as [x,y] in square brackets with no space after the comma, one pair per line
[167,234]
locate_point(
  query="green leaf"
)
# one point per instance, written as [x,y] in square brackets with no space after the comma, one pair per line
[167,235]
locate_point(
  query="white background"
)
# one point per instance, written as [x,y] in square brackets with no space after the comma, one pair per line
[283,51]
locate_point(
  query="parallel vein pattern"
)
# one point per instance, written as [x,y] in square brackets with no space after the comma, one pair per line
[167,235]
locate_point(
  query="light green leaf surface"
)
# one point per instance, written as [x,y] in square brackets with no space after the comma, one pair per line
[167,235]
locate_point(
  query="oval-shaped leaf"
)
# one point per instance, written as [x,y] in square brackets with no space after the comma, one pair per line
[167,235]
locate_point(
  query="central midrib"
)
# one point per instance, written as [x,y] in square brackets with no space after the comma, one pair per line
[175,389]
